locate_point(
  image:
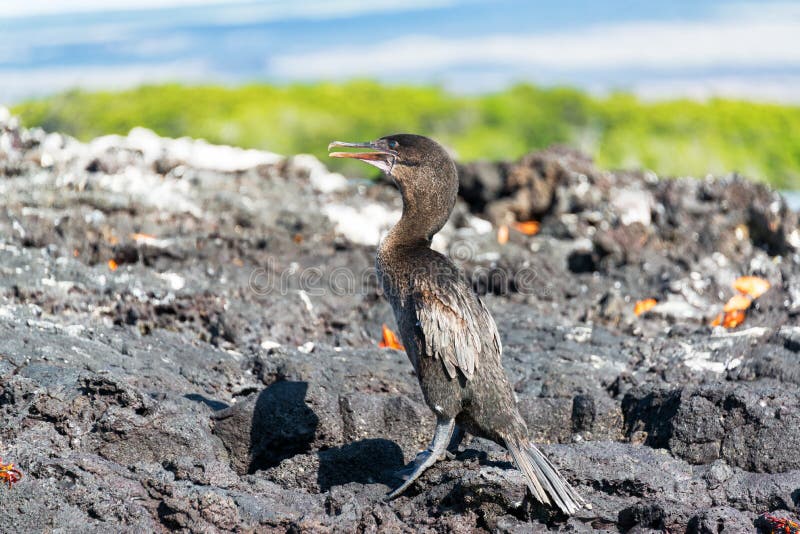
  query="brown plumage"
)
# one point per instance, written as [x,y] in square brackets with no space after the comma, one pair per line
[449,335]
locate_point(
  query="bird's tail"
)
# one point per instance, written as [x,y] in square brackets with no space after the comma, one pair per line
[544,480]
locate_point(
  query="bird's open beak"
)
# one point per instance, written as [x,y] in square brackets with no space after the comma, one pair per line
[379,157]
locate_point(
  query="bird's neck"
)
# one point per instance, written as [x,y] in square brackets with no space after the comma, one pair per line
[424,214]
[407,232]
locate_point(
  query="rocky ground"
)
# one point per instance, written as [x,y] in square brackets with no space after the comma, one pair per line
[189,342]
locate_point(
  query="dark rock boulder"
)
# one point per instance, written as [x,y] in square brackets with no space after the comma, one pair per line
[749,426]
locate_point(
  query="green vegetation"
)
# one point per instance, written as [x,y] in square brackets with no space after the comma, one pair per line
[678,137]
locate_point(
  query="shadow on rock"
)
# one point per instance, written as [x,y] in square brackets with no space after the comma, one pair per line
[283,425]
[211,403]
[267,427]
[367,461]
[483,459]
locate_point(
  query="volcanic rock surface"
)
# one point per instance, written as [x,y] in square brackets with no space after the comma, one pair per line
[189,342]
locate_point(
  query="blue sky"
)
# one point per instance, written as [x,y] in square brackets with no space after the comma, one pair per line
[655,49]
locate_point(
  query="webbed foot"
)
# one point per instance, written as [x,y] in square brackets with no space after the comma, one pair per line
[426,458]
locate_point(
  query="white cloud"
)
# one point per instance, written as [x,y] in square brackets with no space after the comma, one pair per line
[748,87]
[759,10]
[16,8]
[723,43]
[233,12]
[329,9]
[32,82]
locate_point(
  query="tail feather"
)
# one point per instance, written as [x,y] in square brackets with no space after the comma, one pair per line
[544,480]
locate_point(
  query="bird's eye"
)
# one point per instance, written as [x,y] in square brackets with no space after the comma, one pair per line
[392,144]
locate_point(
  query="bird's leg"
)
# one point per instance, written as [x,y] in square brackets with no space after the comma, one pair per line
[428,457]
[406,472]
[455,441]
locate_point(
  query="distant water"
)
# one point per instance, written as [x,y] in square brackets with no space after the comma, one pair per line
[656,49]
[792,199]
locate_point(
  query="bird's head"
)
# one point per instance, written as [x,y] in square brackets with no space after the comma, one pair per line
[413,161]
[422,169]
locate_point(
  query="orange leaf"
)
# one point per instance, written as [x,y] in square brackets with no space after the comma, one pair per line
[644,305]
[390,340]
[113,265]
[502,234]
[751,285]
[527,227]
[738,302]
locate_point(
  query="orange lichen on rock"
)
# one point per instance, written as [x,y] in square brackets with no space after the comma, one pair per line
[730,319]
[642,306]
[735,310]
[113,265]
[9,474]
[737,302]
[752,286]
[527,227]
[771,524]
[390,340]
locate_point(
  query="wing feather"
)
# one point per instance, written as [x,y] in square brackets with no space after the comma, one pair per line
[456,326]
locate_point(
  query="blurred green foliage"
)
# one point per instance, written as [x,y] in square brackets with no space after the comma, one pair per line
[678,137]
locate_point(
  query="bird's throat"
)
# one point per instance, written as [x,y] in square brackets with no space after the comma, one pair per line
[419,222]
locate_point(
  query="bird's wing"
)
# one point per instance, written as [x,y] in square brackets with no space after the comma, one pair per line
[456,326]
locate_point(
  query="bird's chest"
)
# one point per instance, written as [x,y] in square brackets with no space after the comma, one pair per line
[398,289]
[394,280]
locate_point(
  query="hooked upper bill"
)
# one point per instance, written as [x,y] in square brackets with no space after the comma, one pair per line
[381,157]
